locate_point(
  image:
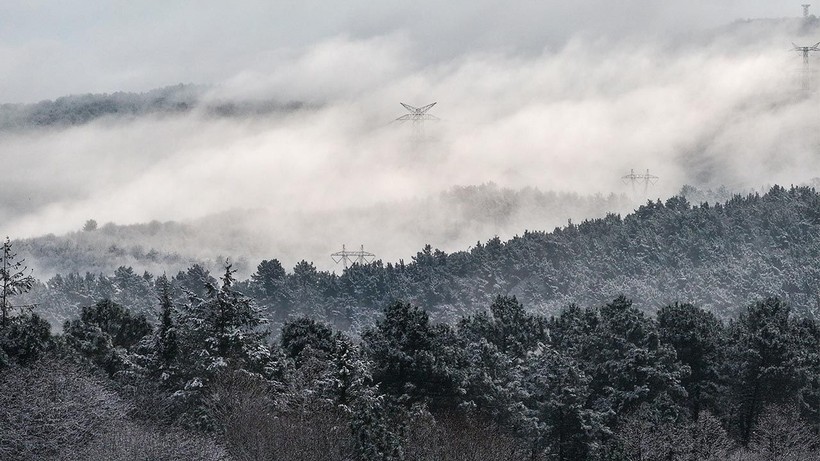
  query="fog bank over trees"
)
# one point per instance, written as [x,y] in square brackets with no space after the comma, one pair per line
[308,133]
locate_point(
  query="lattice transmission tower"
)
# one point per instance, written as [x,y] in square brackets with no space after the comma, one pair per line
[807,77]
[637,178]
[349,257]
[806,9]
[417,116]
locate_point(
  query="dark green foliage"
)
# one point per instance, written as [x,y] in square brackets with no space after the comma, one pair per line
[165,347]
[304,332]
[808,337]
[268,278]
[717,256]
[114,320]
[106,333]
[698,339]
[227,325]
[377,431]
[412,359]
[67,295]
[555,417]
[169,100]
[508,327]
[764,363]
[24,339]
[591,383]
[90,225]
[626,361]
[571,327]
[269,286]
[194,281]
[219,332]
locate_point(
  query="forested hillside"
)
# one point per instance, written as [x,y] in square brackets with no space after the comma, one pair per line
[596,383]
[453,219]
[80,109]
[525,349]
[718,256]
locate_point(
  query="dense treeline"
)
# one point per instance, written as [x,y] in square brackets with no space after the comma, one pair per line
[438,358]
[717,256]
[601,383]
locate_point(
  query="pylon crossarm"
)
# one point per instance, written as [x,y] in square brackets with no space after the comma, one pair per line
[425,108]
[409,107]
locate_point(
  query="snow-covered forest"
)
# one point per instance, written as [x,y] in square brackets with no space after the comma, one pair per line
[409,231]
[719,256]
[511,350]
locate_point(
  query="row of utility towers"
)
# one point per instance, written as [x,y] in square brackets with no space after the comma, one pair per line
[417,116]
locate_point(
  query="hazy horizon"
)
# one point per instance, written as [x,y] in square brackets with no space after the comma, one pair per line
[565,98]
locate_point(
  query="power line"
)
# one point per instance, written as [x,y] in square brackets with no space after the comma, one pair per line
[807,74]
[349,257]
[646,179]
[417,115]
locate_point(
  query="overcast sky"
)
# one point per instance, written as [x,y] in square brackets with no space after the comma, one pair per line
[49,49]
[560,95]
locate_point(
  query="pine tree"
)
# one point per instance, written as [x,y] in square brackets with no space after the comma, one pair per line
[412,359]
[165,341]
[107,333]
[508,326]
[227,327]
[626,361]
[697,337]
[269,286]
[220,332]
[765,363]
[554,417]
[15,279]
[25,339]
[305,332]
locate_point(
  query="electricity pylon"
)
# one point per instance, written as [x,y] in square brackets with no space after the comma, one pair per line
[806,9]
[807,74]
[417,115]
[349,257]
[637,178]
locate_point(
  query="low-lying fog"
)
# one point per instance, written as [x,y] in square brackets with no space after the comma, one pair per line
[708,106]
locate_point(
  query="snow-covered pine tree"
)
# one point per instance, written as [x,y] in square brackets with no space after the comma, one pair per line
[165,343]
[15,279]
[220,331]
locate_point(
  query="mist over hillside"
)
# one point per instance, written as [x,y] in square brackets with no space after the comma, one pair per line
[177,100]
[595,227]
[712,107]
[454,220]
[719,256]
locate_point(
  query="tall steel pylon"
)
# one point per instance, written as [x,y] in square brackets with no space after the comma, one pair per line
[349,257]
[637,178]
[806,9]
[806,79]
[417,115]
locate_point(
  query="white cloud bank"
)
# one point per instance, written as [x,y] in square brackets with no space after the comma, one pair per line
[722,108]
